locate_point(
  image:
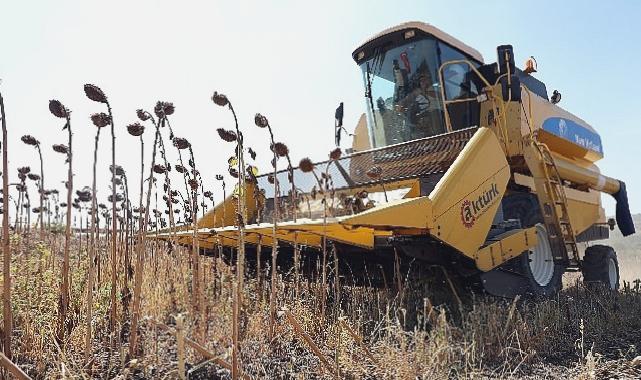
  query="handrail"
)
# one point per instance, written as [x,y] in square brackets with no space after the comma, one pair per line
[448,123]
[501,119]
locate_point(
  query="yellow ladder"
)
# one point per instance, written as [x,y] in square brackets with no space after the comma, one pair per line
[554,206]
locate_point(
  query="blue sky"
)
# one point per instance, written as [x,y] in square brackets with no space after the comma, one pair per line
[290,60]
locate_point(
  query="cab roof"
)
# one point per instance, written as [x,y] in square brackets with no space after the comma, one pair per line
[429,29]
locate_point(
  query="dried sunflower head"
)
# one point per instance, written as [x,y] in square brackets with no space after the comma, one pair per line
[24,170]
[119,171]
[180,169]
[94,93]
[193,183]
[159,169]
[219,99]
[100,119]
[306,165]
[84,195]
[261,121]
[60,148]
[335,154]
[136,129]
[119,197]
[181,143]
[143,115]
[280,149]
[226,135]
[30,140]
[163,109]
[57,109]
[33,177]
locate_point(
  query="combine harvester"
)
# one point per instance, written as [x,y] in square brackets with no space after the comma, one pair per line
[458,163]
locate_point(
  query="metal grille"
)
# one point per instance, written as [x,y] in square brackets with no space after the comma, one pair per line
[412,159]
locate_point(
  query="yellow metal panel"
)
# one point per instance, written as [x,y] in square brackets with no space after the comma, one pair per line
[543,109]
[465,200]
[584,207]
[512,245]
[252,232]
[224,214]
[361,237]
[360,142]
[403,213]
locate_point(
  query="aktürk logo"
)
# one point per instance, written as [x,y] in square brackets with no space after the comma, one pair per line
[472,209]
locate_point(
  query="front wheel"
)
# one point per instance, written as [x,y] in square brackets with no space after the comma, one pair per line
[533,273]
[601,267]
[543,274]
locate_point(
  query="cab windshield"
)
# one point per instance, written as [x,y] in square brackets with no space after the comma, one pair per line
[403,94]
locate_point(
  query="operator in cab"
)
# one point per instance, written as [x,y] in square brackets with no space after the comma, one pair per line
[422,108]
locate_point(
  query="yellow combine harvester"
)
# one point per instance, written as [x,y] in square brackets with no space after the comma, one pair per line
[459,163]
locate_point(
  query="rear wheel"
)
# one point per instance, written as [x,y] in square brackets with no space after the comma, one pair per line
[601,267]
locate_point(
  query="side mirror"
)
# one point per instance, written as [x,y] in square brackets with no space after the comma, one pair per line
[510,86]
[338,124]
[505,57]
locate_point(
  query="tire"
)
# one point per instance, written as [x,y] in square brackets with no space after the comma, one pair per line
[601,267]
[543,276]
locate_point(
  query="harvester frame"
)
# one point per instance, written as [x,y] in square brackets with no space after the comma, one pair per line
[455,192]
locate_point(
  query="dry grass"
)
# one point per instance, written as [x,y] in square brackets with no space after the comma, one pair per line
[579,334]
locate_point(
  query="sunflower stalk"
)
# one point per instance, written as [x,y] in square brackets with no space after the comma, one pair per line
[7,315]
[141,240]
[191,200]
[92,251]
[262,122]
[60,111]
[221,100]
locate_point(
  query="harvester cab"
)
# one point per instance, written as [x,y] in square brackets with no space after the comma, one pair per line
[405,87]
[460,163]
